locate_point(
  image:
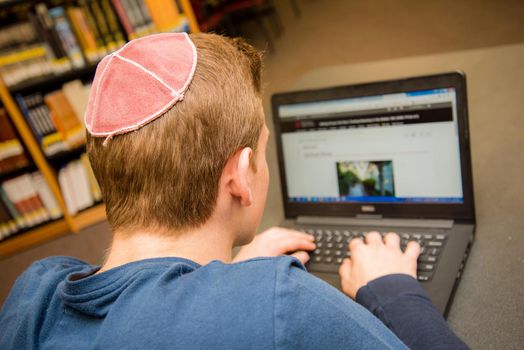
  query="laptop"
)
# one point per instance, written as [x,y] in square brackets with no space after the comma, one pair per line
[390,156]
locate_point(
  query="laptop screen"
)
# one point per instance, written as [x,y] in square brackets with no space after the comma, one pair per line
[391,148]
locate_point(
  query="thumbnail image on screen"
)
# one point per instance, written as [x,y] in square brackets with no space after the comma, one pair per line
[366,178]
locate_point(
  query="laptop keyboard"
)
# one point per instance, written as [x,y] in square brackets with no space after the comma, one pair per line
[332,248]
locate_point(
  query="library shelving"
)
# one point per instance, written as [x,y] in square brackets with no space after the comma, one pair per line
[48,53]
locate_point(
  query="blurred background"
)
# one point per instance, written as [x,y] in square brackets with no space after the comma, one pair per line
[50,203]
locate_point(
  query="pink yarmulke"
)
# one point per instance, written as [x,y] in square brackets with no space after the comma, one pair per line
[139,82]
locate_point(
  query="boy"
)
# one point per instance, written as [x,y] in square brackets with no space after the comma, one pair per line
[177,140]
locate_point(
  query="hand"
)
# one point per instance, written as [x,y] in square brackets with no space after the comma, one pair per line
[374,258]
[278,241]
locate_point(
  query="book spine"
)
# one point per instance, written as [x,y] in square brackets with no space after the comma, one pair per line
[112,22]
[25,112]
[67,190]
[98,16]
[15,214]
[90,20]
[60,61]
[124,18]
[83,33]
[93,183]
[45,194]
[66,36]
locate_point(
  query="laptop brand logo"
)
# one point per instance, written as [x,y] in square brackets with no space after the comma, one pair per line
[368,208]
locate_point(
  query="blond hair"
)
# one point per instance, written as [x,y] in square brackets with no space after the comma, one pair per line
[165,175]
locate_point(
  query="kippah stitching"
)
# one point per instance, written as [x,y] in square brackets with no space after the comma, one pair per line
[138,65]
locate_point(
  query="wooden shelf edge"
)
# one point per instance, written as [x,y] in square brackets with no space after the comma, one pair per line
[34,237]
[89,217]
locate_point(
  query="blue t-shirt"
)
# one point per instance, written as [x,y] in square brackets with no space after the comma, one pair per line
[263,303]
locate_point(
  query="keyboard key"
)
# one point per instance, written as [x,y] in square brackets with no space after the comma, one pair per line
[340,245]
[319,244]
[327,252]
[440,237]
[425,267]
[318,251]
[317,259]
[416,236]
[328,259]
[434,251]
[427,236]
[339,261]
[427,259]
[423,278]
[338,253]
[434,244]
[329,245]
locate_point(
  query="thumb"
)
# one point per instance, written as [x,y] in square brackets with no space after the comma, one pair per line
[345,270]
[302,256]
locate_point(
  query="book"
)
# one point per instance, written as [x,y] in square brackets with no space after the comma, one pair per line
[44,192]
[67,188]
[165,14]
[93,183]
[26,201]
[78,185]
[12,153]
[65,119]
[7,223]
[50,140]
[66,36]
[100,44]
[112,22]
[21,194]
[84,33]
[77,95]
[96,11]
[44,24]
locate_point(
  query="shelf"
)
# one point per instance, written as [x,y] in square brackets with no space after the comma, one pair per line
[48,82]
[39,235]
[18,171]
[89,217]
[65,157]
[10,3]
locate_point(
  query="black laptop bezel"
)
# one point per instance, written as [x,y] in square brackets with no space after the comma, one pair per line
[463,212]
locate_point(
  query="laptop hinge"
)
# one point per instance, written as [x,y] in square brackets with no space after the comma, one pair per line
[375,221]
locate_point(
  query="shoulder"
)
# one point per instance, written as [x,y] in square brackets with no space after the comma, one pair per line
[42,277]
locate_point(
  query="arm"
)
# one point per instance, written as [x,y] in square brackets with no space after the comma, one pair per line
[382,279]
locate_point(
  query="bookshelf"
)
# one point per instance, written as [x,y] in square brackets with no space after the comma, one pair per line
[51,166]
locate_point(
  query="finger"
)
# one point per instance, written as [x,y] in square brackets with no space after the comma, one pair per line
[355,243]
[412,250]
[373,238]
[392,239]
[345,269]
[297,234]
[291,244]
[302,256]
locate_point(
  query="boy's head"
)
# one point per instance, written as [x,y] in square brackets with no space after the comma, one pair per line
[166,175]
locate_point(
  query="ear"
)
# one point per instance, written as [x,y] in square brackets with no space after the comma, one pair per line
[237,174]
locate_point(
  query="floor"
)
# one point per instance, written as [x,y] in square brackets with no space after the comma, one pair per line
[331,32]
